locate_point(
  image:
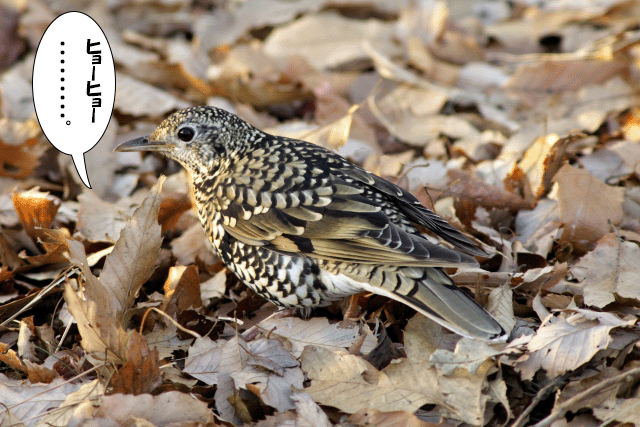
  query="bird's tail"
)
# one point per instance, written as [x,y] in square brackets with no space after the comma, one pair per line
[431,292]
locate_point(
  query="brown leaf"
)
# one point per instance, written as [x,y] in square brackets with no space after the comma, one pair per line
[182,289]
[542,160]
[19,161]
[10,357]
[35,209]
[588,207]
[140,373]
[171,209]
[133,258]
[464,185]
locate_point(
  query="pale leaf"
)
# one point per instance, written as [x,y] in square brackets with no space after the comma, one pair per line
[137,98]
[621,410]
[612,268]
[62,415]
[309,411]
[374,418]
[169,408]
[342,39]
[421,338]
[25,400]
[273,389]
[566,344]
[298,333]
[99,221]
[203,361]
[232,359]
[349,382]
[469,354]
[500,306]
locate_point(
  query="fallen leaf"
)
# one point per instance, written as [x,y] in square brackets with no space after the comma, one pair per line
[297,333]
[588,207]
[611,269]
[140,373]
[171,407]
[35,209]
[375,418]
[342,39]
[565,343]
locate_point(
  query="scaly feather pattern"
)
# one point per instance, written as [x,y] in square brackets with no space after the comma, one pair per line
[302,226]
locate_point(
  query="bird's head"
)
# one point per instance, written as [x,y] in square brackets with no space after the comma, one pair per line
[201,139]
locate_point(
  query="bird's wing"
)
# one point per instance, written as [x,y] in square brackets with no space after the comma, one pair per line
[341,221]
[410,206]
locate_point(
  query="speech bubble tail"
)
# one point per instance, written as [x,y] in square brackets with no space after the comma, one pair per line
[78,161]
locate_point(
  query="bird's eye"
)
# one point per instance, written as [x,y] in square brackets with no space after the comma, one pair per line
[186,134]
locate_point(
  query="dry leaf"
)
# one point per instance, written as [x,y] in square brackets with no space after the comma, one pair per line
[421,338]
[376,418]
[566,343]
[587,206]
[611,269]
[19,161]
[140,373]
[297,333]
[99,220]
[350,383]
[342,39]
[137,98]
[542,160]
[470,354]
[500,306]
[103,313]
[182,289]
[167,408]
[133,258]
[35,209]
[26,401]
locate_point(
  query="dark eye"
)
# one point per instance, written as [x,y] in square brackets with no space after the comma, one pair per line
[186,134]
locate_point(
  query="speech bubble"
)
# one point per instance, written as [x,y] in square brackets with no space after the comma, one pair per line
[74,86]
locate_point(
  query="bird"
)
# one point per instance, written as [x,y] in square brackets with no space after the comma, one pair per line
[302,226]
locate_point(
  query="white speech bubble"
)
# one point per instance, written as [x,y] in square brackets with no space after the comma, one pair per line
[74,85]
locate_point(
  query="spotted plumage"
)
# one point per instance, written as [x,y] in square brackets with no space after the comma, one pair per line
[302,226]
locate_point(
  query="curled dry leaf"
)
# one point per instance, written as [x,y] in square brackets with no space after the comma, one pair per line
[540,163]
[35,209]
[181,289]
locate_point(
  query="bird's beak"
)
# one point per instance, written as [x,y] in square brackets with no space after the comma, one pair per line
[144,143]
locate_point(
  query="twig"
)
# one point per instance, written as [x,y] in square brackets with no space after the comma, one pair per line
[541,395]
[564,407]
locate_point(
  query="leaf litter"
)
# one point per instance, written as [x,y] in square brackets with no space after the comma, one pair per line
[517,121]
